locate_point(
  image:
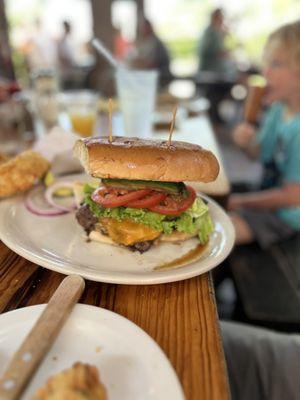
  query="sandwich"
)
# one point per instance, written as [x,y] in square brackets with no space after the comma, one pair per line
[142,197]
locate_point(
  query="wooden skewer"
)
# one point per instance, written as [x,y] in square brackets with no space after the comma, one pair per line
[41,337]
[172,125]
[110,120]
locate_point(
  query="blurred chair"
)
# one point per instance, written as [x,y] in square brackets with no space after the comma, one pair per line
[261,363]
[268,284]
[215,87]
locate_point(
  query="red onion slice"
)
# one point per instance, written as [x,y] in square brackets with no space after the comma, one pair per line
[52,189]
[35,203]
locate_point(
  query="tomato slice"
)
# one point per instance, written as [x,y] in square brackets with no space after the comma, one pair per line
[175,205]
[110,197]
[151,200]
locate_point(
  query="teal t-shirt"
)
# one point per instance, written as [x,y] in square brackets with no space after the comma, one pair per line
[279,141]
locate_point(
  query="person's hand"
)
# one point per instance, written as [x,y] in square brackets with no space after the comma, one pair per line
[235,202]
[243,135]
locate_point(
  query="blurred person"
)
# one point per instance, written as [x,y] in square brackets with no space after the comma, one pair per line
[217,70]
[214,56]
[149,52]
[262,364]
[65,49]
[121,45]
[272,215]
[41,49]
[6,66]
[69,70]
[4,93]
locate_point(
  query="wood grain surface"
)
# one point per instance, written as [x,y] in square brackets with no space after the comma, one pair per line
[180,316]
[39,340]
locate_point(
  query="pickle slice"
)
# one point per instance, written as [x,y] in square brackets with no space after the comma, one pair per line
[170,187]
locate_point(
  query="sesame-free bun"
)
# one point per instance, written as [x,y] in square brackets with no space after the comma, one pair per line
[155,160]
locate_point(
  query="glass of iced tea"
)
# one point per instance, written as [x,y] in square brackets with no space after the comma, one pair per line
[81,107]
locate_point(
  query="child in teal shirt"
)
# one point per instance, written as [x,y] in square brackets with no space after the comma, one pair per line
[273,214]
[279,141]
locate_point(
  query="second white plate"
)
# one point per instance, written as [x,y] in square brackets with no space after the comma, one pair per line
[131,365]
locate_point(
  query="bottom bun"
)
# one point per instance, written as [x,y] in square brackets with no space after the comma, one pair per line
[176,237]
[99,237]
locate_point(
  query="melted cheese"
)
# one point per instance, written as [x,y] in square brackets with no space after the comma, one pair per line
[128,232]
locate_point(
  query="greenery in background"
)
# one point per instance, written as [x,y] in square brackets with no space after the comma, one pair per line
[188,17]
[181,24]
[20,67]
[184,23]
[182,47]
[17,19]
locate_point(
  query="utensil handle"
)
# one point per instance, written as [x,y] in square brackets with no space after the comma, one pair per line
[39,340]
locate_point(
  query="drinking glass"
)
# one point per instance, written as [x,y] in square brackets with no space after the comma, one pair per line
[81,108]
[137,94]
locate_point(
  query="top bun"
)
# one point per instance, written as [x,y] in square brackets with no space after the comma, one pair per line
[155,160]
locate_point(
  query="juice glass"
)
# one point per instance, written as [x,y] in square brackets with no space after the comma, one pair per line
[82,111]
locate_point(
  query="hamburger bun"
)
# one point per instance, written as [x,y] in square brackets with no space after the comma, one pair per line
[155,160]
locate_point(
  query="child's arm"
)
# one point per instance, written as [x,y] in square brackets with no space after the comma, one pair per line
[243,136]
[285,196]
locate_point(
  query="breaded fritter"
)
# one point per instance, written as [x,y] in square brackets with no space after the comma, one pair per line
[3,158]
[80,382]
[21,172]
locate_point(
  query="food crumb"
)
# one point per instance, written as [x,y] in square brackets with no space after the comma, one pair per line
[98,349]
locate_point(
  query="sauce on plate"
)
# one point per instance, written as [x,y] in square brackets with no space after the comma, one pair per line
[185,259]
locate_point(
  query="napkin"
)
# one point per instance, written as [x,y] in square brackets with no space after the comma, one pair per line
[57,147]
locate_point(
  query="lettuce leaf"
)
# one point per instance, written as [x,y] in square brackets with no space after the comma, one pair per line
[195,220]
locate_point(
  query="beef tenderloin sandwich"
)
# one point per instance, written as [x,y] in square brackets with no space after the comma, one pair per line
[142,197]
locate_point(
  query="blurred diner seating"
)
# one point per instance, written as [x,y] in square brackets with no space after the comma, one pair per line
[268,284]
[261,363]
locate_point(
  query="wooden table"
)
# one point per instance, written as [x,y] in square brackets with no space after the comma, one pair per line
[180,316]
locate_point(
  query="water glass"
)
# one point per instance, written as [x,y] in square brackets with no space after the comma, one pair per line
[137,94]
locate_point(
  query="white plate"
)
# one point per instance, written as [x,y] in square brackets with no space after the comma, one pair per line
[59,243]
[131,365]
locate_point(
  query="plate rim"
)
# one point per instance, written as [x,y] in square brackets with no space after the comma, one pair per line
[81,309]
[125,278]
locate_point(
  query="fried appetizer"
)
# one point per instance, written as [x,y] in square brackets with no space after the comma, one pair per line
[3,158]
[81,382]
[20,173]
